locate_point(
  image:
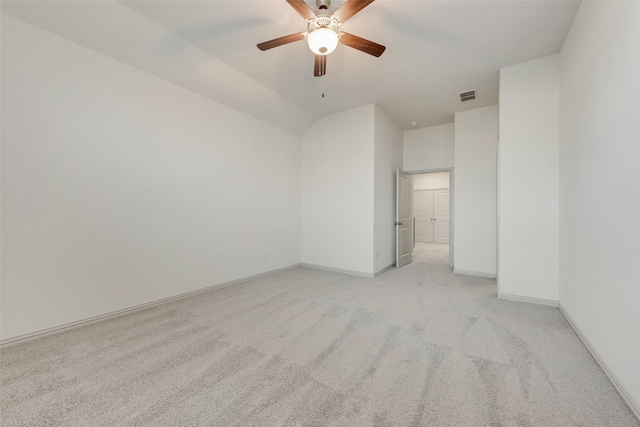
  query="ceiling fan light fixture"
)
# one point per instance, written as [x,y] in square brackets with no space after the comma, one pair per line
[323,31]
[322,41]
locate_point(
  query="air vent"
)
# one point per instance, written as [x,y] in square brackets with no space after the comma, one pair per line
[468,95]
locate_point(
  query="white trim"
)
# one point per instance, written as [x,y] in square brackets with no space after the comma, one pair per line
[382,270]
[452,209]
[421,171]
[498,216]
[430,189]
[78,323]
[531,300]
[634,406]
[338,270]
[474,273]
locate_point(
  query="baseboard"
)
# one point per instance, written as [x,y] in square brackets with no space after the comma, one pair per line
[338,270]
[382,270]
[72,325]
[474,273]
[539,301]
[626,397]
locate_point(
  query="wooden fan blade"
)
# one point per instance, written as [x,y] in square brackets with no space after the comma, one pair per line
[302,8]
[350,8]
[280,41]
[361,44]
[320,65]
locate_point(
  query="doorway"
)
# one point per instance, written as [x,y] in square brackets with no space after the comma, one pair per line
[432,216]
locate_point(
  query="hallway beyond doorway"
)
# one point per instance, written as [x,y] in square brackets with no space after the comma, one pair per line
[431,253]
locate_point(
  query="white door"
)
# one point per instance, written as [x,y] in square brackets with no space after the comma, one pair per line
[403,218]
[423,204]
[441,216]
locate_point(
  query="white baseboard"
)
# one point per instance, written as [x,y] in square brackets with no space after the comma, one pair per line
[338,270]
[382,270]
[474,273]
[633,405]
[72,325]
[539,301]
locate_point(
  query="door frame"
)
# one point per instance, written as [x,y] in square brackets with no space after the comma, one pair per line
[451,205]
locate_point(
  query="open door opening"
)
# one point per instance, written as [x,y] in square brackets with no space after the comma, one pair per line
[404,226]
[431,217]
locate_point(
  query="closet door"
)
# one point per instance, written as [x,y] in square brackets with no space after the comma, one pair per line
[424,216]
[441,216]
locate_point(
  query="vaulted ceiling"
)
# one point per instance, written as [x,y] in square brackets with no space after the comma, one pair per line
[435,49]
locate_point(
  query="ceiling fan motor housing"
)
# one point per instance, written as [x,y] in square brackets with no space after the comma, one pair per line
[324,21]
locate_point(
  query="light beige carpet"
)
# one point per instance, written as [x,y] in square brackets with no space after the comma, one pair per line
[417,346]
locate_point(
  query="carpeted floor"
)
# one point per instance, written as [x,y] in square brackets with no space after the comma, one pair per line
[417,346]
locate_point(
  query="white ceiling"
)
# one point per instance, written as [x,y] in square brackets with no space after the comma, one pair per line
[435,49]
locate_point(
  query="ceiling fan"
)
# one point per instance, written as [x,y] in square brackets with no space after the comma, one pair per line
[323,33]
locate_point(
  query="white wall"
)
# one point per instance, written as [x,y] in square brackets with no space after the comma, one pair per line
[338,192]
[528,224]
[600,185]
[428,148]
[431,181]
[119,188]
[476,143]
[388,158]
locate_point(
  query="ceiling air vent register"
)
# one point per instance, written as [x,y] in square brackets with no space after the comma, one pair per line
[468,95]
